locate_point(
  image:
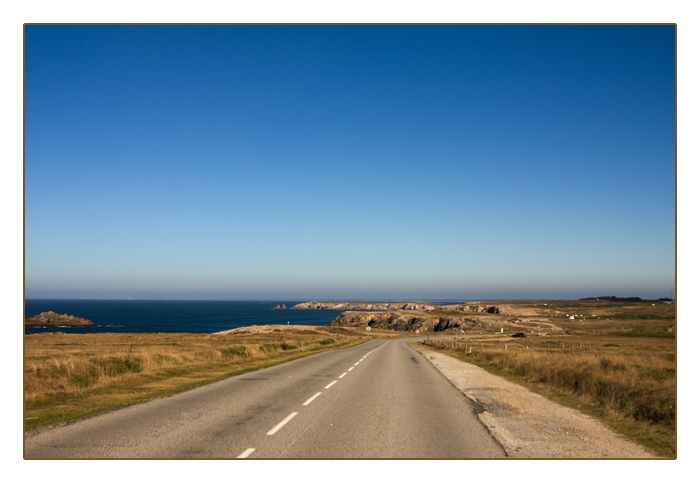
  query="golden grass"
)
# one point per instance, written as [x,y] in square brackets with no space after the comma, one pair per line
[629,383]
[71,376]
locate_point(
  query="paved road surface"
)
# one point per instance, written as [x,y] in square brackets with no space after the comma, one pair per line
[377,400]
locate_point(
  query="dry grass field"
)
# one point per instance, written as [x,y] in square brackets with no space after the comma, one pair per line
[619,368]
[72,376]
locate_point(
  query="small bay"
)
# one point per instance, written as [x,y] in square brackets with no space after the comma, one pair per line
[172,316]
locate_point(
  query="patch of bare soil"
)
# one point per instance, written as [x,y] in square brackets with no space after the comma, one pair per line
[528,425]
[264,329]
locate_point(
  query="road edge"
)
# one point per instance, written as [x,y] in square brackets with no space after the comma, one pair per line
[563,434]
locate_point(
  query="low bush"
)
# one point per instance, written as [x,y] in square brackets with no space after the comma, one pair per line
[235,351]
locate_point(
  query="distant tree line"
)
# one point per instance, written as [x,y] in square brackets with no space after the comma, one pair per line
[612,298]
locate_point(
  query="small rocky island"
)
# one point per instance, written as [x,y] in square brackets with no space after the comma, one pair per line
[52,319]
[279,307]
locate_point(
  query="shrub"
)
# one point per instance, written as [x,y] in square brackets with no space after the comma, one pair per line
[115,366]
[235,351]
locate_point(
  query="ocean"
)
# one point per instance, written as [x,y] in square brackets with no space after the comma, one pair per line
[192,316]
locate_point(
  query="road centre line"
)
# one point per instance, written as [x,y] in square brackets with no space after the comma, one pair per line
[246,453]
[308,401]
[282,423]
[249,451]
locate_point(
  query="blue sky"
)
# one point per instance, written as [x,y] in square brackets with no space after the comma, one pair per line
[300,162]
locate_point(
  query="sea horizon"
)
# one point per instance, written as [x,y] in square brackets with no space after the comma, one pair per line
[172,316]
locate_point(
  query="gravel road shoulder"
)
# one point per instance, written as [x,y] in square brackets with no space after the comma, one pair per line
[528,425]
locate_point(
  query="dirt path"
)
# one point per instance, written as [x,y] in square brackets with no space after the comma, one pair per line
[526,424]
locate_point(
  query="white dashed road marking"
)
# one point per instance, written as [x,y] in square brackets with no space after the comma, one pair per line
[308,401]
[249,451]
[282,423]
[246,453]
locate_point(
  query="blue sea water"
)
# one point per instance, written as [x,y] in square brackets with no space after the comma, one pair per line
[172,315]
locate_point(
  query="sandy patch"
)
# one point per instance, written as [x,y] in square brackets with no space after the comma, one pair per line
[263,329]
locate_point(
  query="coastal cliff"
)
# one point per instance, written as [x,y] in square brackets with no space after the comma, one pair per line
[52,319]
[407,316]
[416,306]
[487,309]
[407,322]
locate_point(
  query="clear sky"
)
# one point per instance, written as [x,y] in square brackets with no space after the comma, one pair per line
[377,162]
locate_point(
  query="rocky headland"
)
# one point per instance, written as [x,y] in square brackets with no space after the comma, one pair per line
[52,319]
[379,306]
[408,316]
[313,305]
[488,309]
[408,322]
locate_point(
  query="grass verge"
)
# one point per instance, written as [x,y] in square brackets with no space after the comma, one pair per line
[69,377]
[629,384]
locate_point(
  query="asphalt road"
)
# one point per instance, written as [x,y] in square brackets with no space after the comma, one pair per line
[380,399]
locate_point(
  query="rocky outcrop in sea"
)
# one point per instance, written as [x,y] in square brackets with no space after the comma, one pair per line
[52,319]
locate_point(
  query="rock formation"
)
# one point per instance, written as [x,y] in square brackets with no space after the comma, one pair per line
[376,306]
[471,308]
[279,307]
[52,319]
[406,322]
[313,305]
[406,316]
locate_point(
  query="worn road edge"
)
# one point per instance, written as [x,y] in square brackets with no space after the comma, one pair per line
[528,425]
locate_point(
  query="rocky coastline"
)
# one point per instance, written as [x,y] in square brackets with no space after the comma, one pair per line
[407,322]
[313,305]
[407,316]
[52,319]
[392,306]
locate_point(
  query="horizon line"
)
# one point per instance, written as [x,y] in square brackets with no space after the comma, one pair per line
[340,300]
